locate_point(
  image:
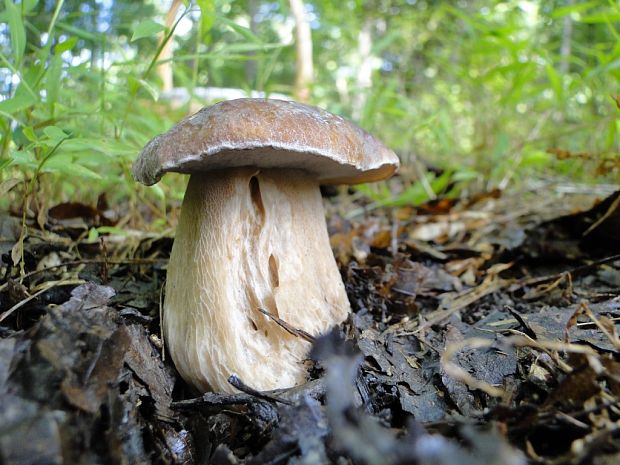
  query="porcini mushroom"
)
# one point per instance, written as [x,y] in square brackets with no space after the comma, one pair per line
[252,235]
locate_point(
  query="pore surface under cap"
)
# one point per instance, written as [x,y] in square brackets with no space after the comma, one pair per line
[267,134]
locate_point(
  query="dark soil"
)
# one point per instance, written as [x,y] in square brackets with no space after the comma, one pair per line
[480,333]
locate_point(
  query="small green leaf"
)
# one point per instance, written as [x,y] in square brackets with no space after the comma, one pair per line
[22,157]
[207,15]
[53,80]
[604,17]
[112,230]
[93,235]
[71,169]
[465,174]
[245,32]
[54,133]
[133,84]
[146,28]
[76,31]
[29,133]
[440,184]
[28,5]
[611,138]
[66,45]
[20,101]
[415,194]
[573,8]
[149,88]
[158,191]
[556,81]
[18,32]
[535,158]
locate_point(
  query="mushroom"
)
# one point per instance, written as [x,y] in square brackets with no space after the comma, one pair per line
[252,236]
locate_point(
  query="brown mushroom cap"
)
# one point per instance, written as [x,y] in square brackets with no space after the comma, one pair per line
[267,134]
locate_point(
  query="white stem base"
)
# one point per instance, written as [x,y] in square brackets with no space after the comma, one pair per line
[249,239]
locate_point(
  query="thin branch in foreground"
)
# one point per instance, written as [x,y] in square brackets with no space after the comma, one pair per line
[235,381]
[287,327]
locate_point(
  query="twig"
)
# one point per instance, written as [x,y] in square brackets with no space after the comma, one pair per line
[609,332]
[454,371]
[137,261]
[287,327]
[575,271]
[161,322]
[473,295]
[486,288]
[612,208]
[524,324]
[211,399]
[394,234]
[236,382]
[50,285]
[518,340]
[314,389]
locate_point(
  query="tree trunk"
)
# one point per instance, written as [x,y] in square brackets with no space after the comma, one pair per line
[164,70]
[565,46]
[303,46]
[364,73]
[251,65]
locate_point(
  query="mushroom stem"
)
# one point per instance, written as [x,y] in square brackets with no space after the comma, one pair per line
[249,239]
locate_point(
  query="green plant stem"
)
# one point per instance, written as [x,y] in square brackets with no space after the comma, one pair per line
[53,22]
[134,92]
[4,150]
[102,90]
[9,65]
[27,196]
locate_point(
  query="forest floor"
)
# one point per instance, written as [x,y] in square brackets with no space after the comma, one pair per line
[483,330]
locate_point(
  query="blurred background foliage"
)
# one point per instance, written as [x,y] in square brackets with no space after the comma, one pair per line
[492,93]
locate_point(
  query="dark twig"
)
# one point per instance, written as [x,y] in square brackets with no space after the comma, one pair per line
[212,399]
[524,324]
[237,383]
[574,272]
[314,389]
[215,399]
[287,327]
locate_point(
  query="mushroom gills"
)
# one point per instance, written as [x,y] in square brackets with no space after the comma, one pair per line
[249,239]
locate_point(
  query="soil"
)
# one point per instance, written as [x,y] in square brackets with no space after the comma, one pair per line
[483,330]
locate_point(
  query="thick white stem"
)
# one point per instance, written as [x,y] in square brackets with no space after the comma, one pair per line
[249,239]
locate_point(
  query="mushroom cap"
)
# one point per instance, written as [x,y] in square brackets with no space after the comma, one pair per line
[267,133]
